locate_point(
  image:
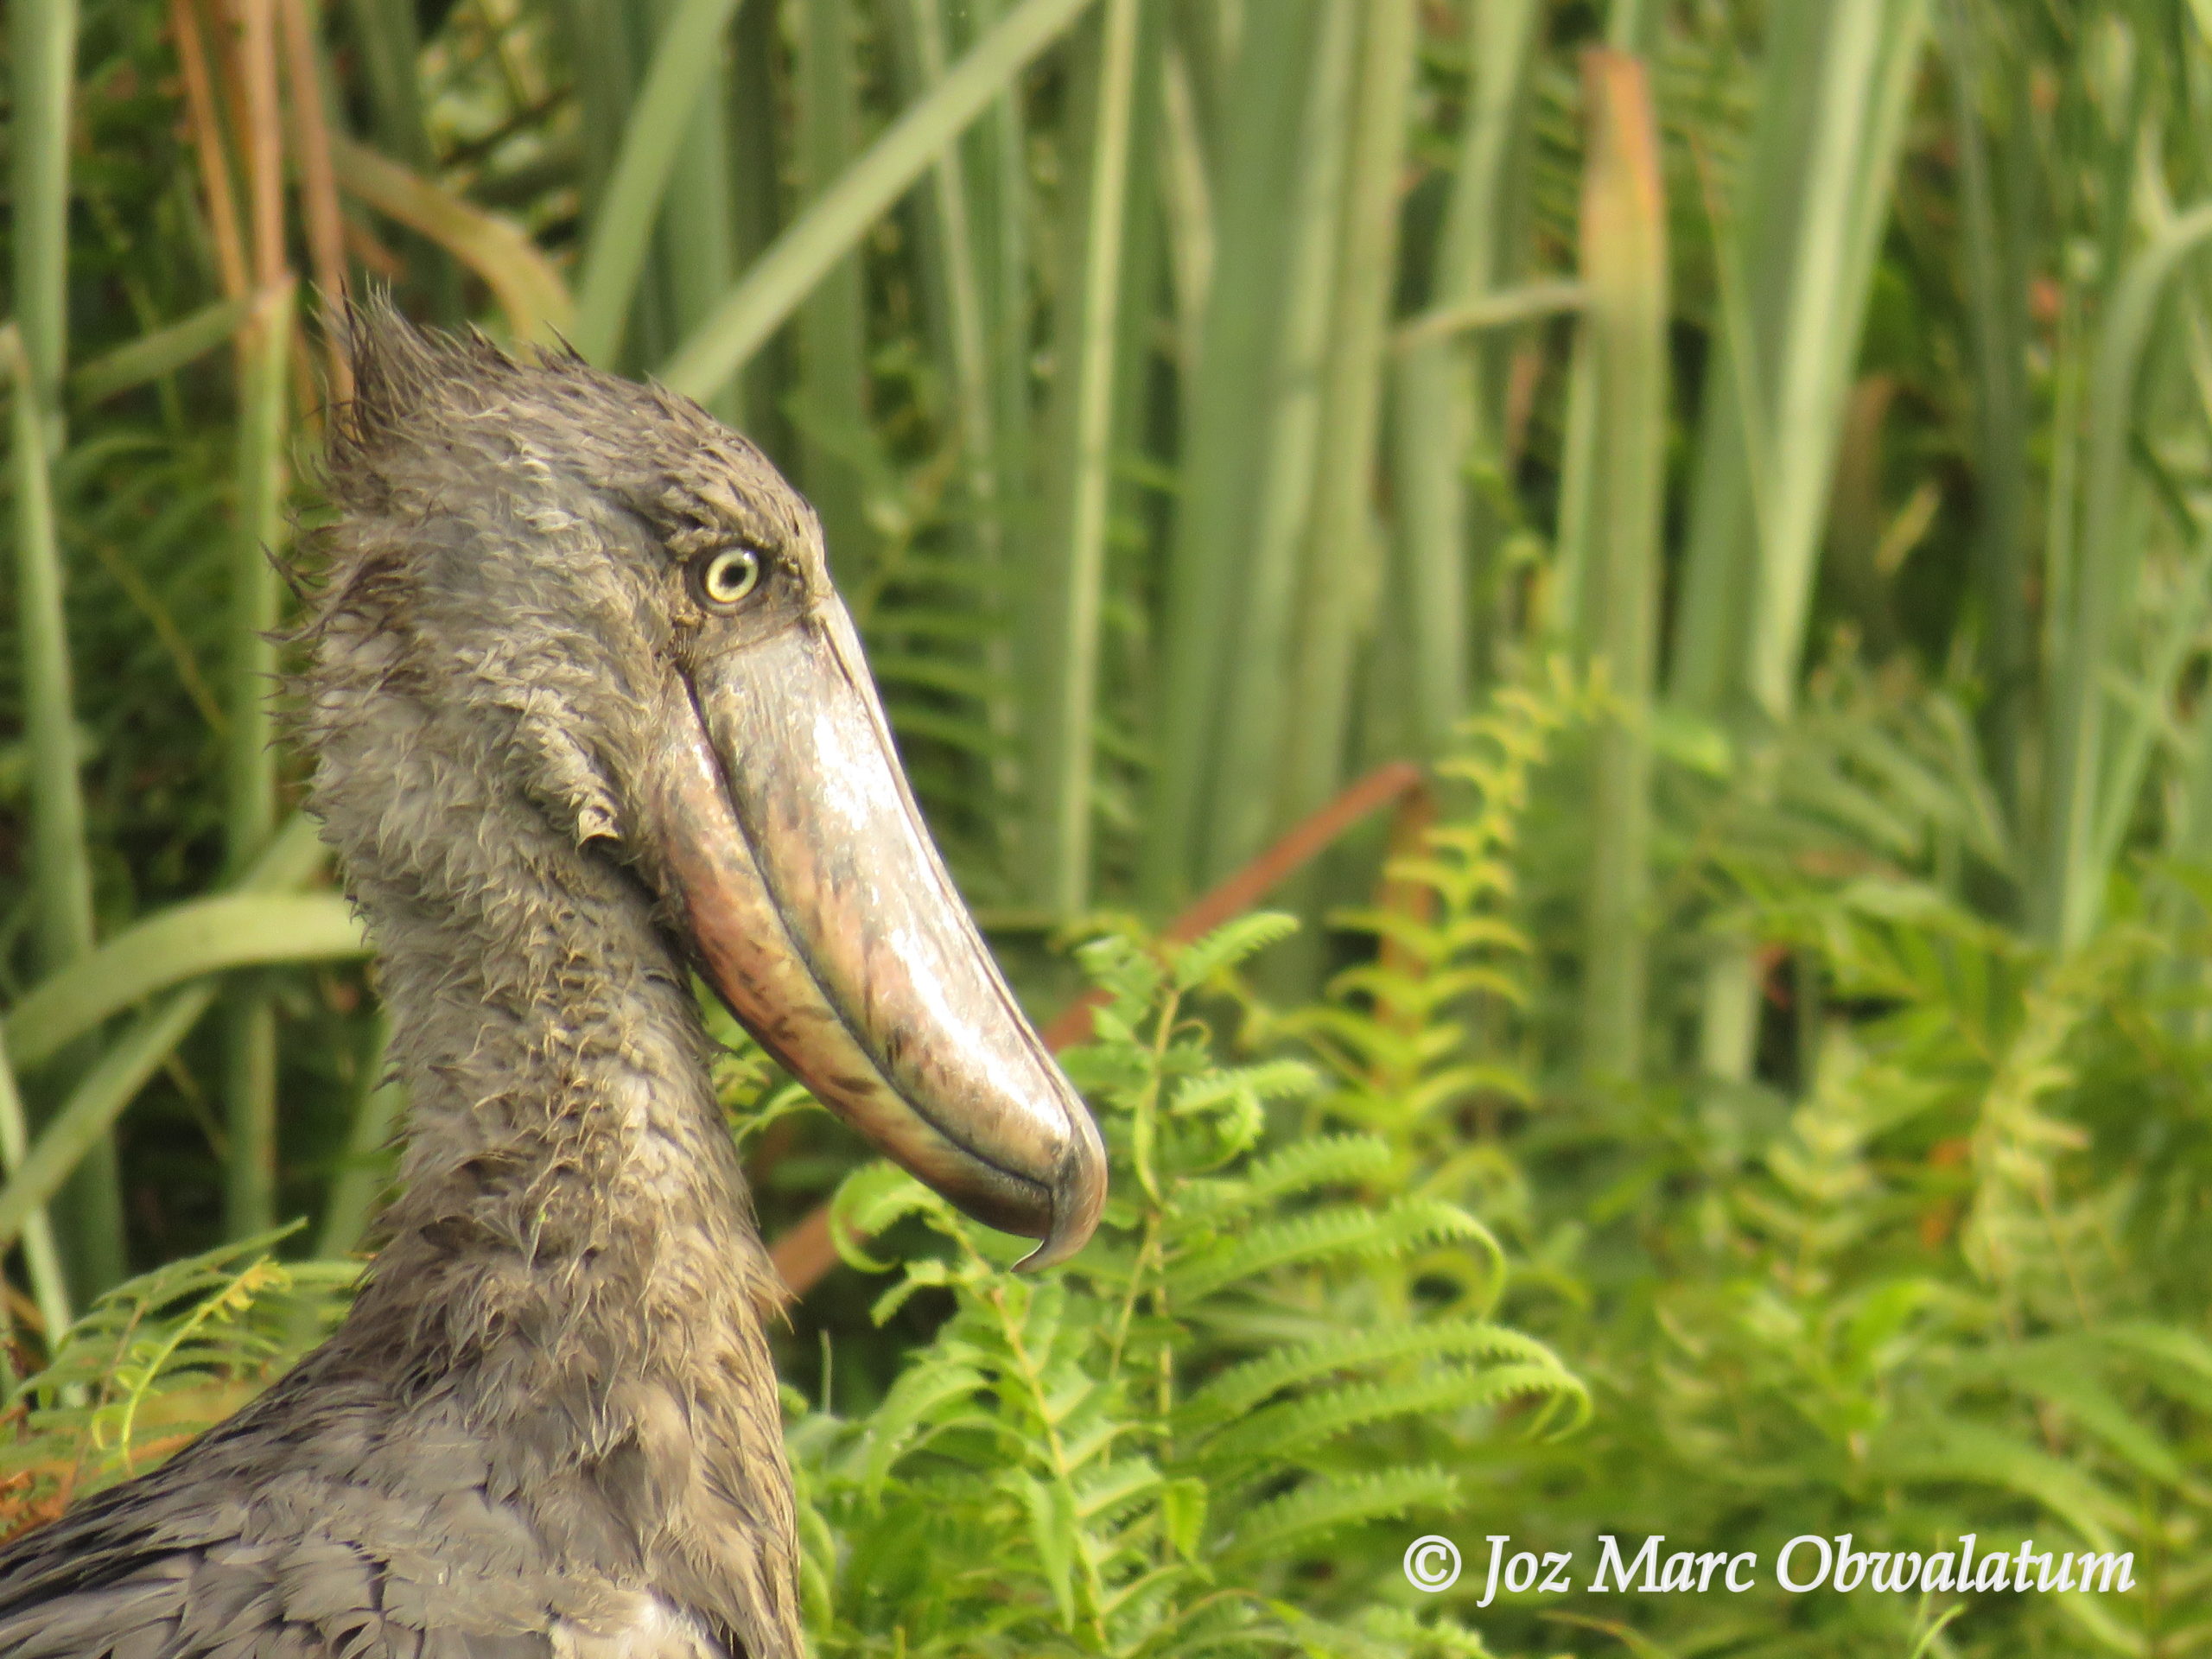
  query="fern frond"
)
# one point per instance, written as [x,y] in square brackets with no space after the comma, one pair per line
[2179,1360]
[1282,1431]
[2061,1373]
[1114,1485]
[1300,1167]
[911,1411]
[1952,1448]
[1277,1080]
[1344,1232]
[869,1201]
[1242,1387]
[1328,1504]
[1229,944]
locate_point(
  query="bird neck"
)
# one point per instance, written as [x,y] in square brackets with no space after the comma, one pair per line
[572,1258]
[573,1278]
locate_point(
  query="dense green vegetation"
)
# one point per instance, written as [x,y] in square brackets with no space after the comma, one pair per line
[1754,454]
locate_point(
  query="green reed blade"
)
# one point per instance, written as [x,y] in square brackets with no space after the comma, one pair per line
[967,343]
[1260,556]
[1530,303]
[61,859]
[163,352]
[958,248]
[41,41]
[42,45]
[1439,382]
[1270,147]
[1795,262]
[1997,281]
[697,234]
[832,332]
[1064,753]
[1870,58]
[1624,271]
[525,283]
[250,781]
[90,1111]
[837,220]
[365,1172]
[661,117]
[757,166]
[184,942]
[2077,856]
[49,1287]
[1338,584]
[387,34]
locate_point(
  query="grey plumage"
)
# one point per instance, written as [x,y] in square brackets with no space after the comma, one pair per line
[549,1426]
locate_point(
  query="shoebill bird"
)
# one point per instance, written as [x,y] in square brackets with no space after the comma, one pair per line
[586,716]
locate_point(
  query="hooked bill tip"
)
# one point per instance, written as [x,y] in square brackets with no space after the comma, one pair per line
[1078,1195]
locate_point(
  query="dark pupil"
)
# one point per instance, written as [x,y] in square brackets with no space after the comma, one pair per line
[730,576]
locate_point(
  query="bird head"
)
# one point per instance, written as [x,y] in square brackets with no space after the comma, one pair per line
[644,605]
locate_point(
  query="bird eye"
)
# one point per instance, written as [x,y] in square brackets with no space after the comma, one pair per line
[728,575]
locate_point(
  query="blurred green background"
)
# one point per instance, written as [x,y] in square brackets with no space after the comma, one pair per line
[1208,403]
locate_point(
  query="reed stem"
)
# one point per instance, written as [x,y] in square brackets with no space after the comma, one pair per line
[1339,583]
[249,1041]
[1624,271]
[1066,764]
[834,224]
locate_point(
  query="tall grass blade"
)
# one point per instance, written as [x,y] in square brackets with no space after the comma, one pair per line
[365,1171]
[698,231]
[189,939]
[1064,754]
[970,278]
[184,942]
[90,1111]
[1991,110]
[1624,272]
[836,220]
[61,859]
[1268,152]
[1796,263]
[833,374]
[1186,198]
[387,33]
[161,352]
[684,65]
[1262,555]
[2086,800]
[304,76]
[528,288]
[756,206]
[1530,302]
[249,783]
[1871,53]
[967,341]
[42,47]
[1338,589]
[1442,423]
[41,1256]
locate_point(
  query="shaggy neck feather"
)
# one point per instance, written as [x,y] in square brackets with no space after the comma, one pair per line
[572,1263]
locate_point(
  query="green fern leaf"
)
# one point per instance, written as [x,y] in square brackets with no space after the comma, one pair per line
[1283,1431]
[1328,1504]
[1229,944]
[1242,1387]
[1300,1167]
[1344,1232]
